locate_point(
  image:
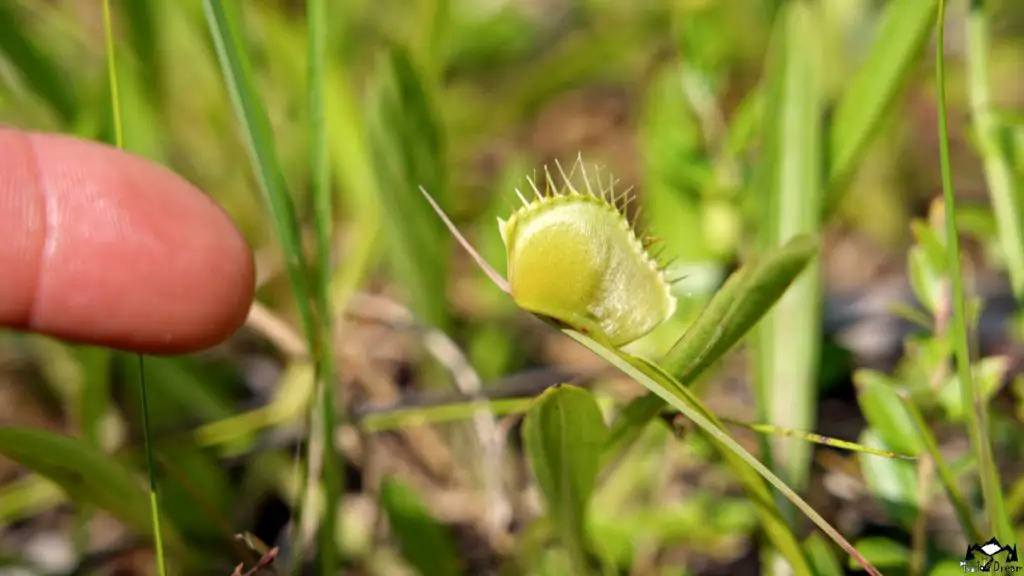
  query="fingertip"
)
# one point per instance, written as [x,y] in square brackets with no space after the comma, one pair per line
[110,249]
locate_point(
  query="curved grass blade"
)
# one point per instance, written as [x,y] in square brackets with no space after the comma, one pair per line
[744,464]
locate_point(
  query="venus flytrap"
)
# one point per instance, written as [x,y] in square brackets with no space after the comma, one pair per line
[575,262]
[609,287]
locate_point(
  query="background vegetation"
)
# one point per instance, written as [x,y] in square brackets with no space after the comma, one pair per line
[740,123]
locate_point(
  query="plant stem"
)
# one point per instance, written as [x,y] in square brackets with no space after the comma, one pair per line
[970,394]
[115,100]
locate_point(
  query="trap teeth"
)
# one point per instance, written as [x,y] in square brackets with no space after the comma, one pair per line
[575,257]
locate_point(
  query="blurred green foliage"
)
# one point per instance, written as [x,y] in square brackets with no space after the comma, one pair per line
[739,122]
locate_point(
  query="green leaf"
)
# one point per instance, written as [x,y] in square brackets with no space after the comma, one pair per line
[259,141]
[883,552]
[424,542]
[885,411]
[787,347]
[744,299]
[563,433]
[903,33]
[86,474]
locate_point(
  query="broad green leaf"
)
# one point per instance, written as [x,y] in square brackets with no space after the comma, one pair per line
[86,475]
[563,433]
[883,552]
[744,299]
[885,411]
[904,31]
[424,542]
[787,344]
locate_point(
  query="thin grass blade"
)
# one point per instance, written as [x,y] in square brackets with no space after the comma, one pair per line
[323,418]
[977,421]
[747,467]
[259,141]
[154,500]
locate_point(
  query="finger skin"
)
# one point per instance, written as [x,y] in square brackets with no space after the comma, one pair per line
[101,247]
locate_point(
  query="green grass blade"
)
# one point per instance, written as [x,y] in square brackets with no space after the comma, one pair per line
[977,423]
[902,36]
[747,467]
[407,150]
[317,19]
[258,137]
[743,300]
[992,139]
[43,75]
[787,343]
[144,33]
[259,141]
[115,99]
[817,439]
[154,501]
